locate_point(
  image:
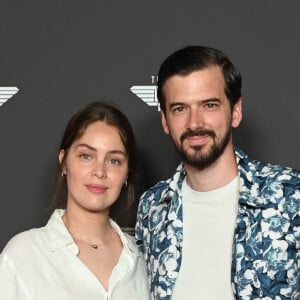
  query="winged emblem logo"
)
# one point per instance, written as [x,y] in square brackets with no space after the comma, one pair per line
[6,93]
[147,93]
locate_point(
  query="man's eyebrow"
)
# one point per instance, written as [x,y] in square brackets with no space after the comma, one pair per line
[213,99]
[177,104]
[180,103]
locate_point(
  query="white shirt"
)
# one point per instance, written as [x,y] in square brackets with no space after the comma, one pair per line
[42,264]
[208,227]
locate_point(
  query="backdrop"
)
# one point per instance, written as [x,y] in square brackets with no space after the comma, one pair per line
[60,55]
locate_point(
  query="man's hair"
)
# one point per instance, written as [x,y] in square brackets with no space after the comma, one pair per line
[194,58]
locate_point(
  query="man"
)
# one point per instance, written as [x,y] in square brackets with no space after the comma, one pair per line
[223,227]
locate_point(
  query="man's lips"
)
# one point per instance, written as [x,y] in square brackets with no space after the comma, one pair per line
[96,188]
[198,137]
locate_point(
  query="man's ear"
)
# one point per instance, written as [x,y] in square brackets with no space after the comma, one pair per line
[237,114]
[164,123]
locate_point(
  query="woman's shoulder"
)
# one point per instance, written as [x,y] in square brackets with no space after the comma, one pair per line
[129,238]
[25,242]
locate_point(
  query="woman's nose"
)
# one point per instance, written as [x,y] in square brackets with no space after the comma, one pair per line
[99,170]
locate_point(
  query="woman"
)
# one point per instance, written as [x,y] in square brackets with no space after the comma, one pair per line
[81,253]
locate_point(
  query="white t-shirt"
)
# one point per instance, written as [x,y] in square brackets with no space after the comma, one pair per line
[42,264]
[209,220]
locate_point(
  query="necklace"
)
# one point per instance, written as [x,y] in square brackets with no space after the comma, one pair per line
[92,245]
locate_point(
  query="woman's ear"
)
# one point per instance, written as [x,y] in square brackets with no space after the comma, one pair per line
[61,160]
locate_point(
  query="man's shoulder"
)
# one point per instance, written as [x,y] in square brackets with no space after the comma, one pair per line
[162,188]
[276,172]
[155,191]
[265,169]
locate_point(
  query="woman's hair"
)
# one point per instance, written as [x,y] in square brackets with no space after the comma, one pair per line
[93,112]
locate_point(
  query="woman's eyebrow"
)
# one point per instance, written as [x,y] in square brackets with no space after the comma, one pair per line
[94,149]
[86,146]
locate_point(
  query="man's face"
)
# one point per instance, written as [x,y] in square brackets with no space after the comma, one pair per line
[198,115]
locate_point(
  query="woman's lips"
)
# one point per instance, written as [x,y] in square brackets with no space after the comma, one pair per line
[96,188]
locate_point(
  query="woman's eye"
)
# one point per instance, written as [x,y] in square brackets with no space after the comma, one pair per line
[114,161]
[85,156]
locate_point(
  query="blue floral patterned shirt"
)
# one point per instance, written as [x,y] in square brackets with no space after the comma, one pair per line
[266,246]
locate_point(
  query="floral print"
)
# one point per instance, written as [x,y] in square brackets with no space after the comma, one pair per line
[266,249]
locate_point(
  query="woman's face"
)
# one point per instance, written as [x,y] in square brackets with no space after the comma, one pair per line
[96,168]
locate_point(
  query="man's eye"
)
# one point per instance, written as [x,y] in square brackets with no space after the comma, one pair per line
[211,105]
[178,109]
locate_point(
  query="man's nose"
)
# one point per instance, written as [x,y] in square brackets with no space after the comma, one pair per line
[195,119]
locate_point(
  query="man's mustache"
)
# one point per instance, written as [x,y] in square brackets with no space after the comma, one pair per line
[198,132]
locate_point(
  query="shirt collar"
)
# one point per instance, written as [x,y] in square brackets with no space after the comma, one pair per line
[58,233]
[60,237]
[174,184]
[127,241]
[249,192]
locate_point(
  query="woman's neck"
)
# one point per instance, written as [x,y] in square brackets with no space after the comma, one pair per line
[91,227]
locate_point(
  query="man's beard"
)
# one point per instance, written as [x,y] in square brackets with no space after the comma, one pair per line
[197,158]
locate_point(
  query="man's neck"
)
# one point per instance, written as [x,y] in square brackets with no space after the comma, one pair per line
[215,176]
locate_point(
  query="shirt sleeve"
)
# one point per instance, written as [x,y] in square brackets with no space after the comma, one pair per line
[139,226]
[12,286]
